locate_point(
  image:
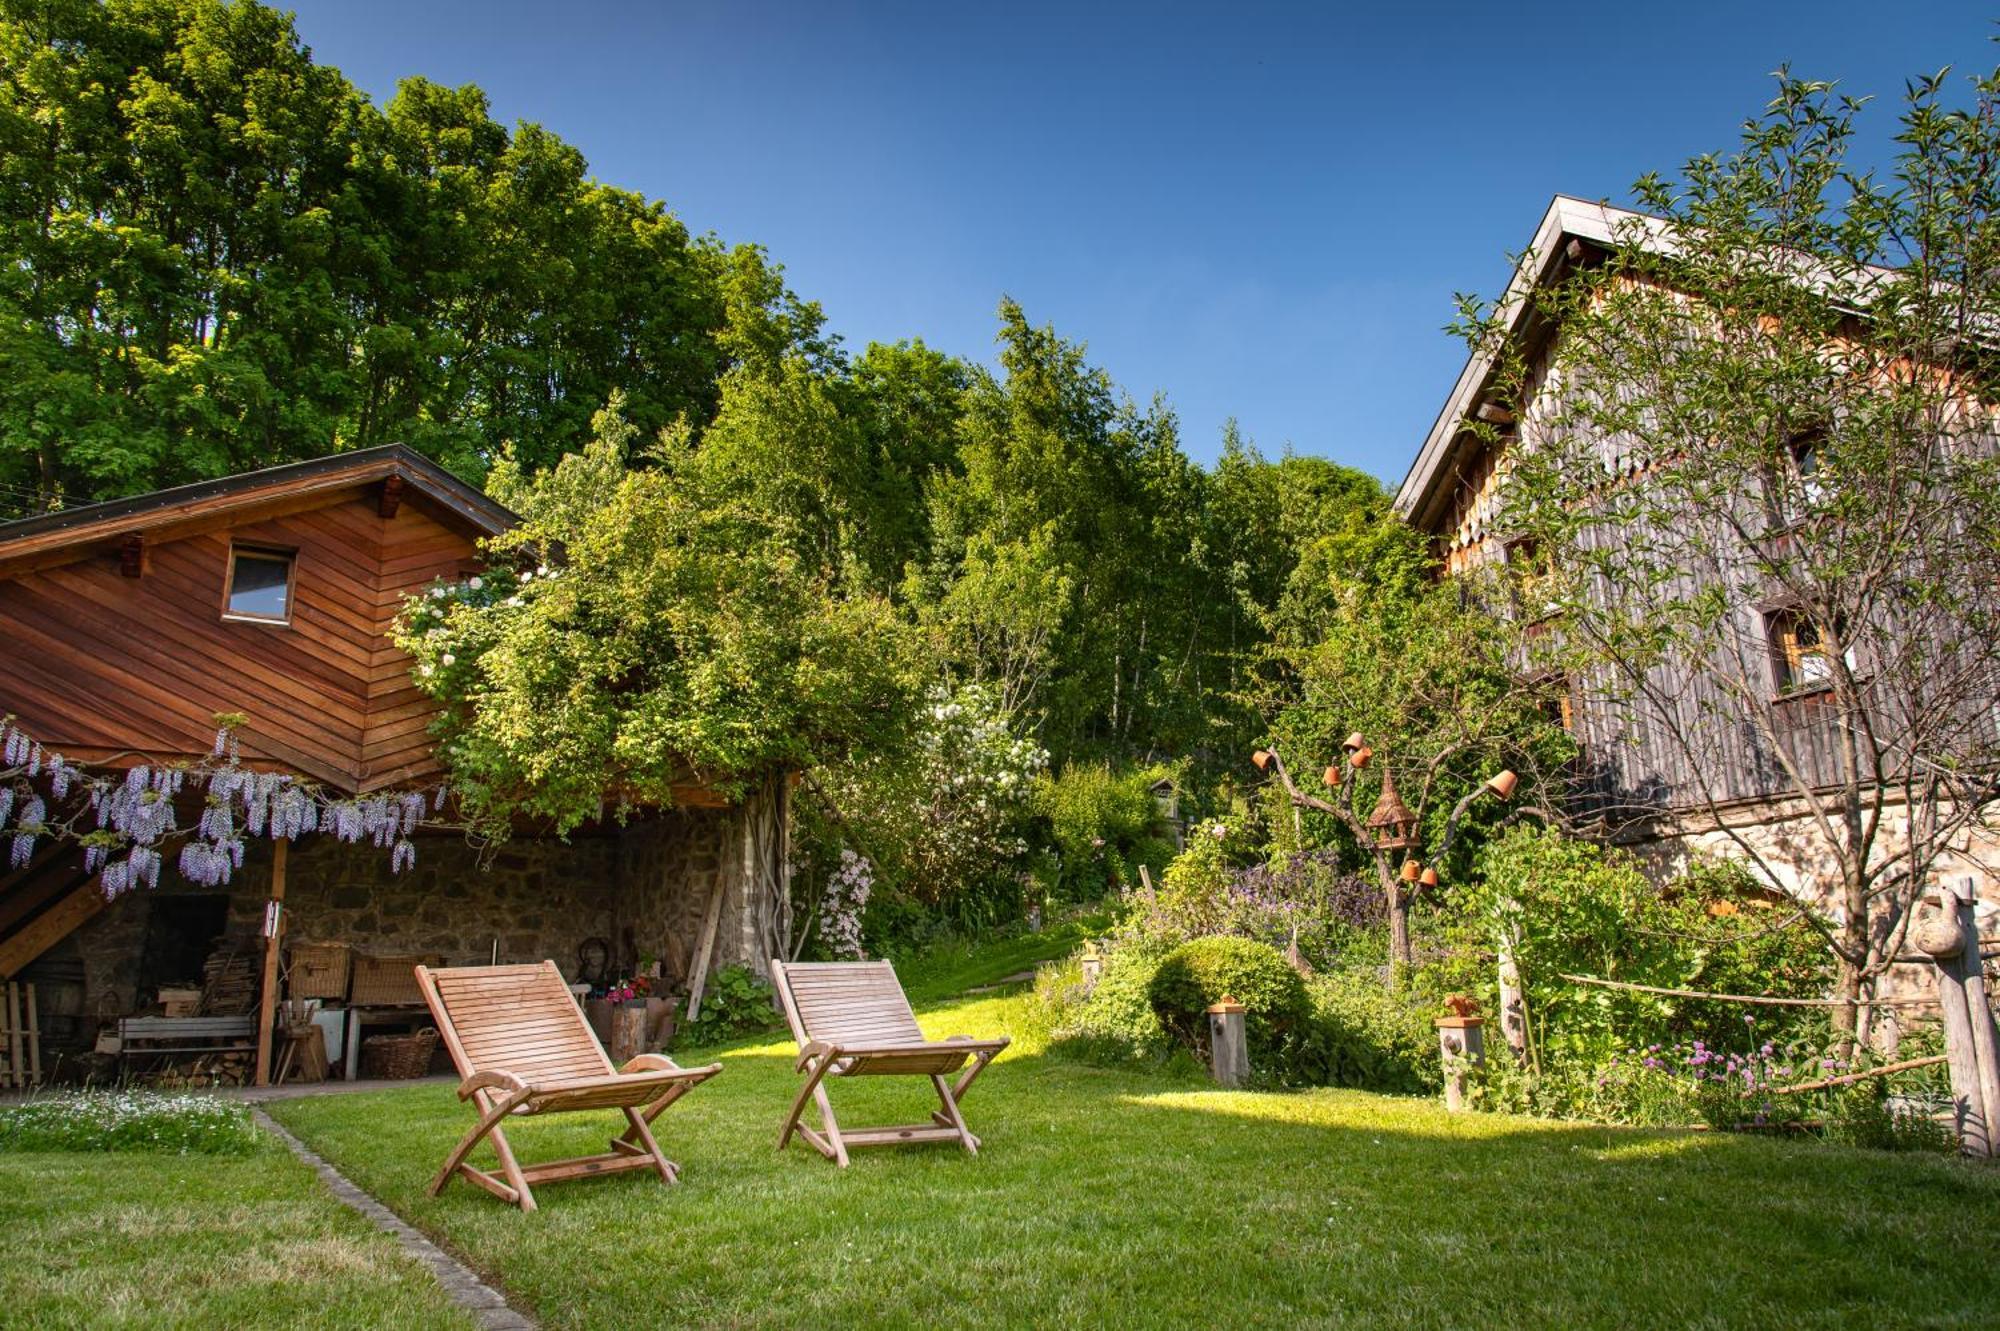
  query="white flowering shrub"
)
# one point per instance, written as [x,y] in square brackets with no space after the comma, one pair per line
[942,815]
[842,905]
[128,1120]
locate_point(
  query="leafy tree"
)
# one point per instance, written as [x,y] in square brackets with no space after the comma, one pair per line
[1433,683]
[659,632]
[1762,492]
[220,255]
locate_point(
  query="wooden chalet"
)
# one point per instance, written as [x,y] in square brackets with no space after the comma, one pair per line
[131,625]
[1452,492]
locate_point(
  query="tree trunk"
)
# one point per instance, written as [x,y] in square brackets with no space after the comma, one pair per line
[1400,957]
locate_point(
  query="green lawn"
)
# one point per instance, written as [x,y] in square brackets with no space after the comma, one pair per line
[1115,1199]
[129,1239]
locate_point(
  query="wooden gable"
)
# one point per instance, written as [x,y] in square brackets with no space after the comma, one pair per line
[120,649]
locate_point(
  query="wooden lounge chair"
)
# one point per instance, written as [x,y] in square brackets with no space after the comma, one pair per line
[851,1019]
[523,1047]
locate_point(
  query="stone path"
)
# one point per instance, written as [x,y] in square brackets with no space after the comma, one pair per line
[461,1285]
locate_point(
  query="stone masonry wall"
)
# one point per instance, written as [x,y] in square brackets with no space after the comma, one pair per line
[644,888]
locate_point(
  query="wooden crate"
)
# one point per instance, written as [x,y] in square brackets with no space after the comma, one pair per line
[181,1002]
[387,981]
[320,970]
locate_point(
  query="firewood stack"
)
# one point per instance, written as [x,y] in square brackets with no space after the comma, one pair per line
[229,980]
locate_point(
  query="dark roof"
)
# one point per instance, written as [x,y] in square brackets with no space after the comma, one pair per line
[90,521]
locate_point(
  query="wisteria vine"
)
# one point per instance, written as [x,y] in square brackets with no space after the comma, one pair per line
[126,821]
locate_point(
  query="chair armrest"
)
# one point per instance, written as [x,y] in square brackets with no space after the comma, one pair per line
[955,1044]
[492,1079]
[811,1051]
[649,1063]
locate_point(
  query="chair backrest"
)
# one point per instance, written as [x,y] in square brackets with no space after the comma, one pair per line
[845,1002]
[518,1019]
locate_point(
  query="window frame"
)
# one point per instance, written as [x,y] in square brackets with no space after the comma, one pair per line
[1788,655]
[256,550]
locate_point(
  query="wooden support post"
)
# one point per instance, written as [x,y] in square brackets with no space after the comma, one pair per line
[1462,1045]
[1979,1011]
[34,1034]
[1228,1046]
[1949,941]
[13,1077]
[274,937]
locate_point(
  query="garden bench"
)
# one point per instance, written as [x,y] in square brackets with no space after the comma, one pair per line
[167,1036]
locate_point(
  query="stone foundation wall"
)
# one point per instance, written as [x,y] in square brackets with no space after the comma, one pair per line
[644,888]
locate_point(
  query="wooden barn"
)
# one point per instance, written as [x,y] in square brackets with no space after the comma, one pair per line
[1730,788]
[131,625]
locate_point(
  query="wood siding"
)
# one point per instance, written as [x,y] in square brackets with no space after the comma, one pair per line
[107,668]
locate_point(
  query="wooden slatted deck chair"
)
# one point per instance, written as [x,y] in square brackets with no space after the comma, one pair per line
[523,1047]
[851,1019]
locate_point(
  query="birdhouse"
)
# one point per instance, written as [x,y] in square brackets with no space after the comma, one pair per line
[1392,822]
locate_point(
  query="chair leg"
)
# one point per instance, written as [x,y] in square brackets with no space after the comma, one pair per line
[669,1173]
[511,1168]
[953,1117]
[832,1125]
[489,1121]
[813,1079]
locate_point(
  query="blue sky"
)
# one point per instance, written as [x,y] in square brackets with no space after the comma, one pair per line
[1260,212]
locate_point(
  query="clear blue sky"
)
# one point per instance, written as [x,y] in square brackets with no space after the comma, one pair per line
[1259,212]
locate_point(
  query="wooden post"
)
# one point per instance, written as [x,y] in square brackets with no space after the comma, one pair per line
[1513,1010]
[1945,937]
[34,1039]
[1462,1045]
[274,935]
[1979,1011]
[1228,1048]
[13,1077]
[628,1033]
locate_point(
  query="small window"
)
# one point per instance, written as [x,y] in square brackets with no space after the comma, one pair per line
[1806,485]
[260,586]
[1798,655]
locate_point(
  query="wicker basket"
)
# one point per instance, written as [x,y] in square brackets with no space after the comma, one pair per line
[320,970]
[399,1057]
[387,981]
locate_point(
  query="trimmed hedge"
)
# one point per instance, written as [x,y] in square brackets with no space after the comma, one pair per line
[1206,970]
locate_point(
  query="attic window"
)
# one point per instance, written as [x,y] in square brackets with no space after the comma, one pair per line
[260,586]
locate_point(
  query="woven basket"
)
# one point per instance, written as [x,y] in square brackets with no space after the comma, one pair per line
[320,970]
[399,1057]
[387,981]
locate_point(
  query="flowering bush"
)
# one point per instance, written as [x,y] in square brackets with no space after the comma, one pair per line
[940,816]
[125,821]
[128,1120]
[842,905]
[1308,900]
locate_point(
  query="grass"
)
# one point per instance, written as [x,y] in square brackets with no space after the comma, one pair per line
[138,1239]
[1112,1198]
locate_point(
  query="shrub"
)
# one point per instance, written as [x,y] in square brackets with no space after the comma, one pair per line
[1306,898]
[735,1003]
[1363,1034]
[1101,822]
[1116,1023]
[128,1120]
[1206,970]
